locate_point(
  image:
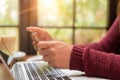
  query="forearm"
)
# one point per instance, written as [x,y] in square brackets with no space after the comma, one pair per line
[95,63]
[76,60]
[93,57]
[101,64]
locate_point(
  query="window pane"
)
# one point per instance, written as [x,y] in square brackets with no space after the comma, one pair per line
[91,13]
[88,36]
[9,12]
[55,12]
[61,34]
[10,32]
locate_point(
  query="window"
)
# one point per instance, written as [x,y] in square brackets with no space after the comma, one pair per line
[74,21]
[9,20]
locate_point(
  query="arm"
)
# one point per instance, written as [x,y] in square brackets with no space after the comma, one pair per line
[110,43]
[101,64]
[81,56]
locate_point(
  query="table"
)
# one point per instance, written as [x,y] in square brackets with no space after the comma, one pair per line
[78,75]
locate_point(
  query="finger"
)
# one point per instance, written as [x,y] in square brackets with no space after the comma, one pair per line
[48,58]
[52,64]
[45,51]
[35,45]
[34,29]
[47,37]
[39,31]
[35,37]
[44,44]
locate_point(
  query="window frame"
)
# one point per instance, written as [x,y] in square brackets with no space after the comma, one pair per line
[27,19]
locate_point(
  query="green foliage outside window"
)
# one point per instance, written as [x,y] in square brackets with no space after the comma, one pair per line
[9,18]
[61,34]
[60,13]
[9,12]
[91,13]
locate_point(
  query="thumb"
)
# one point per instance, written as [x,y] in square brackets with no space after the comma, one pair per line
[44,44]
[33,29]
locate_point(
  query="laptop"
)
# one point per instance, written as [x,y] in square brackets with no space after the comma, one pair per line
[33,70]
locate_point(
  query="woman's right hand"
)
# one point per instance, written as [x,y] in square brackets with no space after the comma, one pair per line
[37,35]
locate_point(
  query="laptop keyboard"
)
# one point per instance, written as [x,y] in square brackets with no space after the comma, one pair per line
[39,71]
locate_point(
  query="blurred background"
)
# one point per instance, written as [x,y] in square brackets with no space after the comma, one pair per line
[73,21]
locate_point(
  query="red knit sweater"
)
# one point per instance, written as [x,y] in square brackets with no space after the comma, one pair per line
[100,59]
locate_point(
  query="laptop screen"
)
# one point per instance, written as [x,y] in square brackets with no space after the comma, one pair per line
[4,56]
[6,70]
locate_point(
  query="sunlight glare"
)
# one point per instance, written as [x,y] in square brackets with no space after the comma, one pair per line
[48,9]
[13,15]
[2,2]
[83,1]
[2,7]
[47,3]
[2,11]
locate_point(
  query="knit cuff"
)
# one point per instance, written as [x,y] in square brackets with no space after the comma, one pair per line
[76,61]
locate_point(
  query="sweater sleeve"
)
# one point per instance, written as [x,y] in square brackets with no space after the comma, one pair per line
[111,42]
[101,64]
[94,55]
[76,61]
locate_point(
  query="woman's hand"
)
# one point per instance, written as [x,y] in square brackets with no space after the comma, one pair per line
[38,34]
[56,53]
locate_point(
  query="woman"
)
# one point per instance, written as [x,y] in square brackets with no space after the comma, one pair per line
[98,59]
